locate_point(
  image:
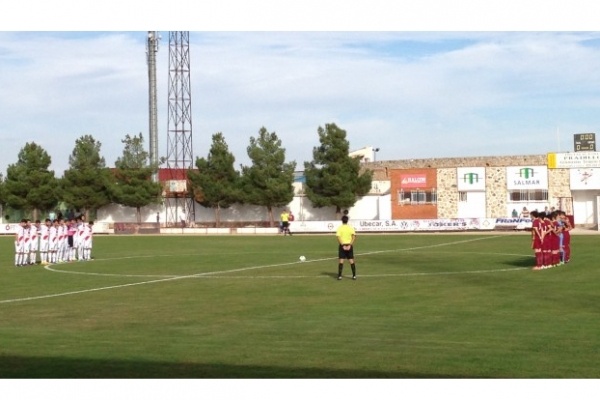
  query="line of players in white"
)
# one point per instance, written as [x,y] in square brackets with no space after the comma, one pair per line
[53,242]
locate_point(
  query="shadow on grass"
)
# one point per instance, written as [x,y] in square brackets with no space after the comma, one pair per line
[332,275]
[523,262]
[63,368]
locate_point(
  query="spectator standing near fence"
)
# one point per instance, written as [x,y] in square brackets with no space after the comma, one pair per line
[182,218]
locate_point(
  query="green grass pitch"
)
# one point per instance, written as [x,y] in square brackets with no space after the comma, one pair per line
[424,306]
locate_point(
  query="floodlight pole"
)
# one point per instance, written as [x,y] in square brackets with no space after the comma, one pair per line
[151,50]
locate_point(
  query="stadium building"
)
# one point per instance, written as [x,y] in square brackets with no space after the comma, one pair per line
[498,187]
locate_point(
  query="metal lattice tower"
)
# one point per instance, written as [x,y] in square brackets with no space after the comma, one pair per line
[179,130]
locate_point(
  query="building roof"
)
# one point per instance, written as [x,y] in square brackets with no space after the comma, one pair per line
[169,174]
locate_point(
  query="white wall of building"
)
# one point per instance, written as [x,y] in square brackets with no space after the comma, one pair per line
[473,207]
[584,207]
[368,207]
[368,153]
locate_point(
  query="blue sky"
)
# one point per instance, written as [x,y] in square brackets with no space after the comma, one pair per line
[412,93]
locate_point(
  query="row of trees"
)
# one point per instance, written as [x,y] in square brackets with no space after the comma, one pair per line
[87,185]
[333,178]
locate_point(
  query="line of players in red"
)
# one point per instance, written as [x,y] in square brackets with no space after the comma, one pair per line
[551,239]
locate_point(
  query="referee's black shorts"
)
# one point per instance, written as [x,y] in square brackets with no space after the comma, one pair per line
[347,254]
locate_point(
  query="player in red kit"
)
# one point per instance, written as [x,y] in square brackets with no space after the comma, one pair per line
[537,239]
[555,233]
[566,247]
[547,240]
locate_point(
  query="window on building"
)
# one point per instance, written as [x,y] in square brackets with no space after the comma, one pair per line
[403,197]
[462,197]
[416,197]
[528,195]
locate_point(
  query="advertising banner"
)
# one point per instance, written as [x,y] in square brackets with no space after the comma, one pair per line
[584,178]
[6,229]
[526,178]
[470,179]
[178,186]
[373,226]
[584,159]
[413,181]
[397,225]
[11,229]
[514,223]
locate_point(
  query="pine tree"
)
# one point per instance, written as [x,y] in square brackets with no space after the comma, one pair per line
[268,181]
[85,185]
[133,185]
[29,185]
[216,183]
[334,178]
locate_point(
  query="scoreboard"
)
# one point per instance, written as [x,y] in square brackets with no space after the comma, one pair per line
[585,142]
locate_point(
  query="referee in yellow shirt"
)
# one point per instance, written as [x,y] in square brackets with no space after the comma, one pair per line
[285,222]
[346,236]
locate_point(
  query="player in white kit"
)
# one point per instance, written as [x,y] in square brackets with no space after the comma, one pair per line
[88,234]
[20,244]
[81,228]
[52,242]
[71,239]
[27,242]
[34,242]
[44,234]
[61,233]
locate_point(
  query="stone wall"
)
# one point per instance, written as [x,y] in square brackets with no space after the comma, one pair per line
[447,195]
[496,192]
[495,161]
[559,186]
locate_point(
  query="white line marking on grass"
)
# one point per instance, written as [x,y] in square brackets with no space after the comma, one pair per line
[214,274]
[49,296]
[483,271]
[47,267]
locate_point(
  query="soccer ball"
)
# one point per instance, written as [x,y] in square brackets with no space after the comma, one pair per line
[302,258]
